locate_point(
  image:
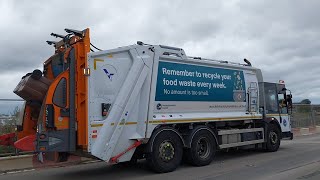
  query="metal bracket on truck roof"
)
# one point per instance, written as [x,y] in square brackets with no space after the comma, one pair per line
[167,50]
[170,47]
[172,51]
[222,61]
[162,46]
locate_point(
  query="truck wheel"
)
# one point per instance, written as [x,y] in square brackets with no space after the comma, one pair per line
[166,152]
[203,149]
[273,138]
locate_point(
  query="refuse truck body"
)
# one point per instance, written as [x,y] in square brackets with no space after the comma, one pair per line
[148,101]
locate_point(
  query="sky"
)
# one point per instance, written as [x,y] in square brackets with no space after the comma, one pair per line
[279,37]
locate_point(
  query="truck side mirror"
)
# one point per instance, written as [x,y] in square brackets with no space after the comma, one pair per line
[290,104]
[289,101]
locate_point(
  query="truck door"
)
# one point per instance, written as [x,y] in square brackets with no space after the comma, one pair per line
[284,116]
[276,105]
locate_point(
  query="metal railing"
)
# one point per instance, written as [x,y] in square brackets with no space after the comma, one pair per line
[9,111]
[305,115]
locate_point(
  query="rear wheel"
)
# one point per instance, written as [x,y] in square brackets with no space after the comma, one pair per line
[273,138]
[167,150]
[203,149]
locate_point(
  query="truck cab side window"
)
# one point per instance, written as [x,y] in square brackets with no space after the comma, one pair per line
[282,104]
[271,99]
[60,94]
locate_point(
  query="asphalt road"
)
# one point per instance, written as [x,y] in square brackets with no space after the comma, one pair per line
[297,159]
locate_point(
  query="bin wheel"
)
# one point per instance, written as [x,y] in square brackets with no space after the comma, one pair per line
[36,74]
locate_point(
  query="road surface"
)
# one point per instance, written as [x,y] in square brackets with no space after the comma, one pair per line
[297,159]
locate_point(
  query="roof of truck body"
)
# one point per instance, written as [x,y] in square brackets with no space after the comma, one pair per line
[194,60]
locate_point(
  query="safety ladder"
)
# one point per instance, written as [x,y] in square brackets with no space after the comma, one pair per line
[253,97]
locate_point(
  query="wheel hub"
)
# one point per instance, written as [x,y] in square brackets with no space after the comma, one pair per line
[273,137]
[203,149]
[166,151]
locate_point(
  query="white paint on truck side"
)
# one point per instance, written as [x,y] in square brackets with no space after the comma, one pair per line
[127,99]
[285,121]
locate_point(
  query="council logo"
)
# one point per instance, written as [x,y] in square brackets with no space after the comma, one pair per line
[285,122]
[110,71]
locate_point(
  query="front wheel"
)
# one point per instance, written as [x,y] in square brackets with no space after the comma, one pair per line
[273,138]
[167,151]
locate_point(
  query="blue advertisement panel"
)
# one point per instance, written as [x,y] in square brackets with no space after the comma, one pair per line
[186,82]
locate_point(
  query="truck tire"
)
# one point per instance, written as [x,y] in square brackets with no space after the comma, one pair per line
[167,151]
[273,138]
[203,149]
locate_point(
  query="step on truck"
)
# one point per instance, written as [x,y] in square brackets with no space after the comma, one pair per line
[148,102]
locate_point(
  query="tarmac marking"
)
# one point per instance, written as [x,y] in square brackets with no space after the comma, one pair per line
[16,172]
[89,162]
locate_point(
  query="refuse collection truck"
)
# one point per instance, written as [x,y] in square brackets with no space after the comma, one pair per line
[147,101]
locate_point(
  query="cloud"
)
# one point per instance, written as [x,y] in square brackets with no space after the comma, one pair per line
[280,37]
